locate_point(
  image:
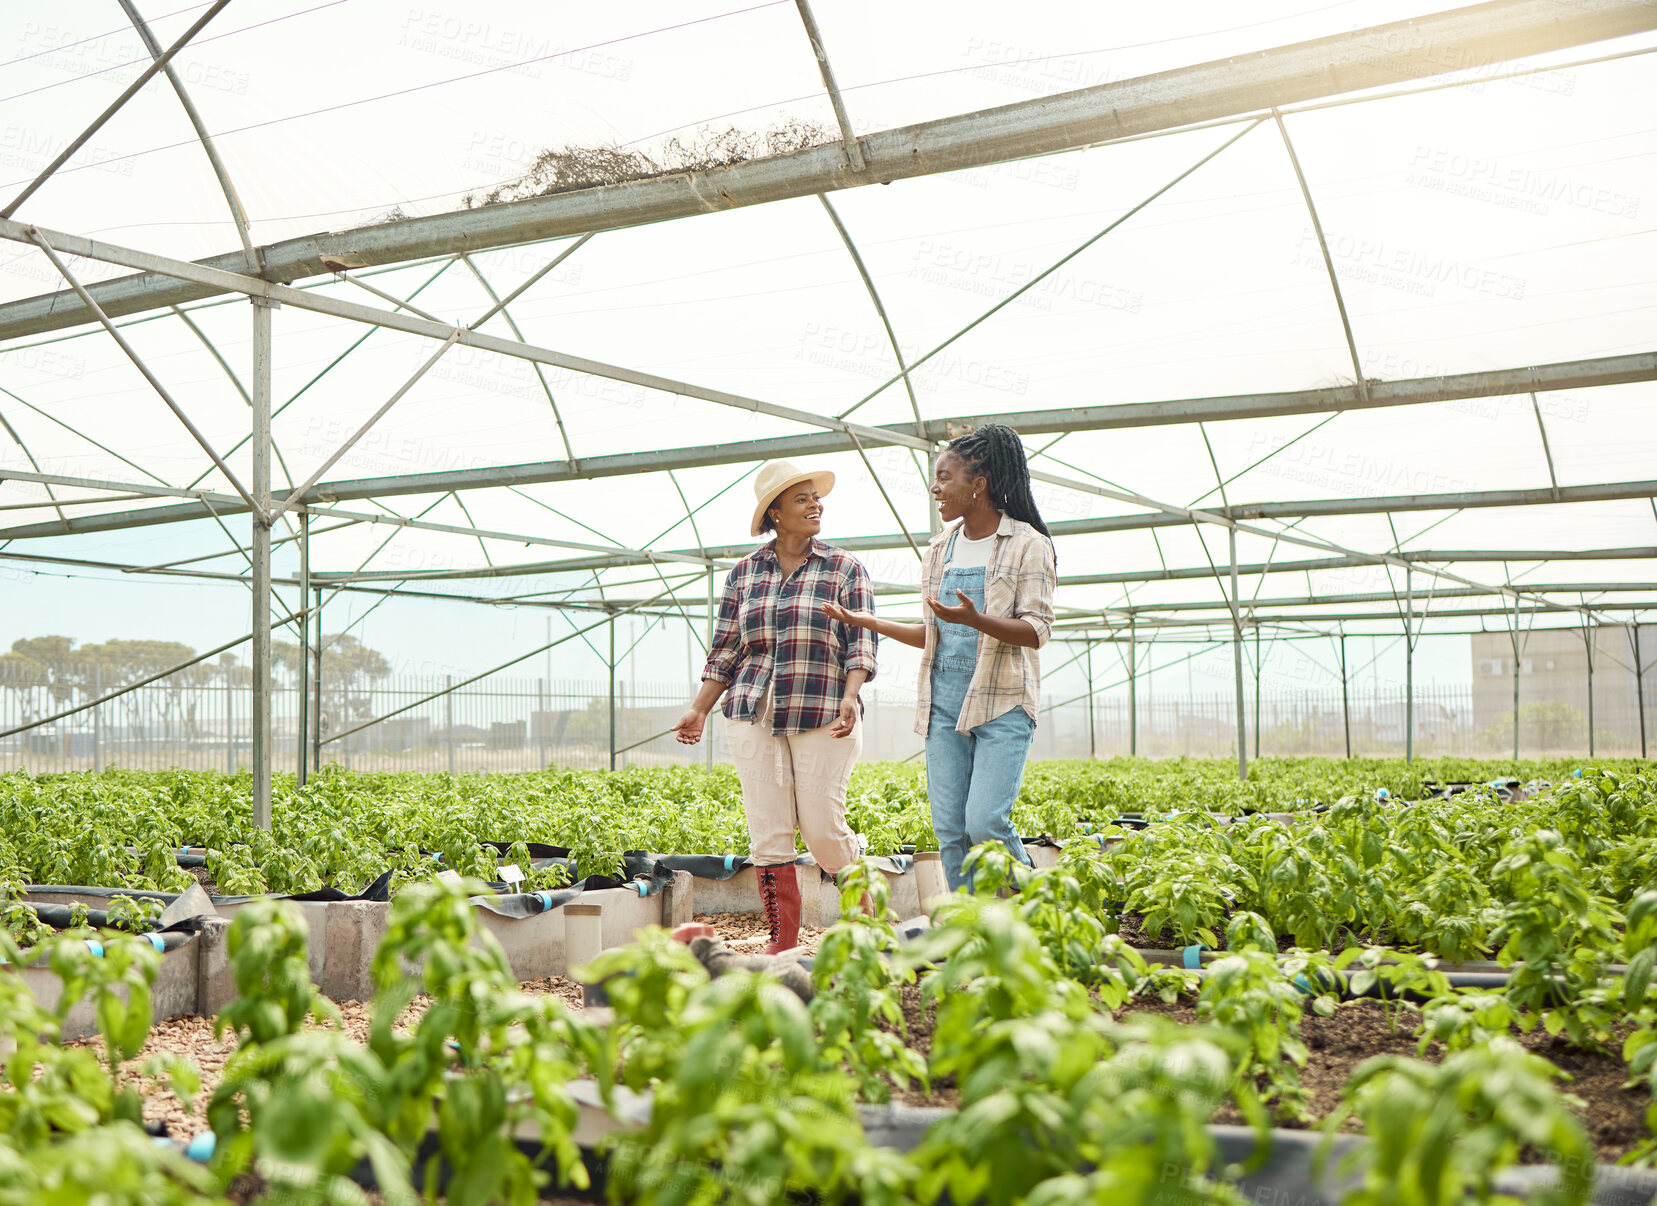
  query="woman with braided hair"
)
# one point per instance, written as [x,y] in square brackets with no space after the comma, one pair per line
[987,590]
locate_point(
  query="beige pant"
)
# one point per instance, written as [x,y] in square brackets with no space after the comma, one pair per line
[797,781]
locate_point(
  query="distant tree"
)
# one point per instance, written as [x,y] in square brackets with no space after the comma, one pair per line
[343,656]
[55,662]
[70,673]
[51,653]
[347,667]
[36,662]
[116,663]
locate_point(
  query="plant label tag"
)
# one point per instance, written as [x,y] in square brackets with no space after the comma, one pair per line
[511,873]
[448,876]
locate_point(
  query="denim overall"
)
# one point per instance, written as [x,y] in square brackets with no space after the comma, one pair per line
[972,778]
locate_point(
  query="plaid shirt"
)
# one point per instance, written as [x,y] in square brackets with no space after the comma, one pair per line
[1019,582]
[774,634]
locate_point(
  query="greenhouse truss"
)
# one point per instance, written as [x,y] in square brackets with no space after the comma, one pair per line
[1333,324]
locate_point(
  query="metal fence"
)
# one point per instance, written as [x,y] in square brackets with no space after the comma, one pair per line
[201,720]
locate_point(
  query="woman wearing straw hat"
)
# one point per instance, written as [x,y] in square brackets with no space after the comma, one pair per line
[790,676]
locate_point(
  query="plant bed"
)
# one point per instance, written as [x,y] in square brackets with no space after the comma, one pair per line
[1020,1007]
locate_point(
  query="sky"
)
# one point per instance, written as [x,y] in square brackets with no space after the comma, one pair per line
[1504,223]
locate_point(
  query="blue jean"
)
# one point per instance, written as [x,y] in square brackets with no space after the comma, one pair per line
[972,778]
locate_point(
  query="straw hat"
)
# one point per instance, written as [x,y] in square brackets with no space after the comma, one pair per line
[777,476]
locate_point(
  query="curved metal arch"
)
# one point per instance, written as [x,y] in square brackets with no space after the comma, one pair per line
[255,262]
[500,307]
[892,337]
[1328,260]
[874,297]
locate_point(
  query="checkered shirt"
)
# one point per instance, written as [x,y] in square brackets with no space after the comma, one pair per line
[1018,582]
[772,633]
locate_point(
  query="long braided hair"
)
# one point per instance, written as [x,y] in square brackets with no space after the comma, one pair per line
[995,451]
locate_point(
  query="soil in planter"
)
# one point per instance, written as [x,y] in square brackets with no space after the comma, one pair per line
[745,933]
[1131,926]
[1614,1117]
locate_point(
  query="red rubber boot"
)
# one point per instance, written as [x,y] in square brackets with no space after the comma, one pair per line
[779,895]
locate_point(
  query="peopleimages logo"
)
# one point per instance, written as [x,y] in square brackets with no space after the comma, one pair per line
[865,354]
[120,60]
[1399,266]
[1511,186]
[502,47]
[1028,70]
[997,276]
[30,150]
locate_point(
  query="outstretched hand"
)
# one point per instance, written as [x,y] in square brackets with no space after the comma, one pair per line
[966,613]
[841,615]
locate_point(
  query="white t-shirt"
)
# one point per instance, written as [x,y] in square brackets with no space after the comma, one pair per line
[971,554]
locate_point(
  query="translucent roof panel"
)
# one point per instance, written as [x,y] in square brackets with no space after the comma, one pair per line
[1492,226]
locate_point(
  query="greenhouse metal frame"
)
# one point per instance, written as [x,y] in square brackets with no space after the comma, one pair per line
[1245,98]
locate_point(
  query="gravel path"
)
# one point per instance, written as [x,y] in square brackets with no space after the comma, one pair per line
[191,1038]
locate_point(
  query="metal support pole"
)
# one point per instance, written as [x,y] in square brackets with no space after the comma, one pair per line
[1639,686]
[1257,669]
[261,563]
[229,724]
[1409,666]
[97,723]
[1237,660]
[542,707]
[612,665]
[1133,690]
[303,726]
[1514,640]
[449,718]
[1346,702]
[1588,648]
[316,686]
[1092,728]
[707,738]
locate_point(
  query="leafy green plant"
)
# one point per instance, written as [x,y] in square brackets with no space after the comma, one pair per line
[1436,1135]
[1465,1018]
[115,1164]
[117,976]
[1555,935]
[747,1107]
[21,923]
[1248,993]
[857,1011]
[267,948]
[515,1052]
[305,1105]
[1049,1084]
[136,914]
